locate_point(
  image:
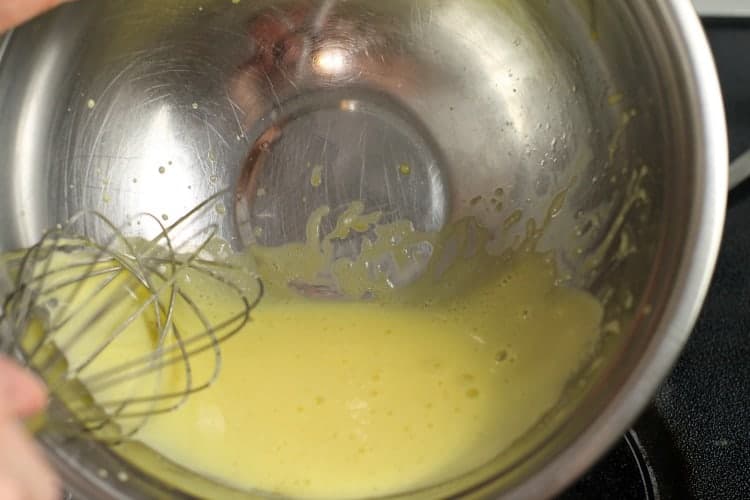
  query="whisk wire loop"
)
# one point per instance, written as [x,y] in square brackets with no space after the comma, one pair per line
[118,327]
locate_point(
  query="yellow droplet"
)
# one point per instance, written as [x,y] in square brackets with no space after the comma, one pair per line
[91,103]
[316,179]
[472,393]
[615,98]
[404,168]
[512,219]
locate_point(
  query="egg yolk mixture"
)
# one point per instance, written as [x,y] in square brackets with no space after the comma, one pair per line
[341,398]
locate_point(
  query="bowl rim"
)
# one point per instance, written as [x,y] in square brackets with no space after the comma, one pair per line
[696,65]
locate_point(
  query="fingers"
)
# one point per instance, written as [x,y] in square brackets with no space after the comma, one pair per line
[15,12]
[24,473]
[9,489]
[21,393]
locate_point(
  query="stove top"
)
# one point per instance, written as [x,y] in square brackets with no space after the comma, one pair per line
[694,440]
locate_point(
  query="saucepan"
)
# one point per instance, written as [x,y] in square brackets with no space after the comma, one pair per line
[616,104]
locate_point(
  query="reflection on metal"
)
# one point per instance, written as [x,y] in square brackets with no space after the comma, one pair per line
[331,149]
[331,61]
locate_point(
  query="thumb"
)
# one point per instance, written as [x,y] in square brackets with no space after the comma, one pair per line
[15,12]
[21,393]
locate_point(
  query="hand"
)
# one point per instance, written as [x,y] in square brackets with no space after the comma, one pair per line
[15,12]
[24,472]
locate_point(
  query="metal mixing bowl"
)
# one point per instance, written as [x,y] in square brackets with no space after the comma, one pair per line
[152,105]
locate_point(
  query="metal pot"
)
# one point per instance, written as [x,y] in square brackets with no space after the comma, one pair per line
[616,104]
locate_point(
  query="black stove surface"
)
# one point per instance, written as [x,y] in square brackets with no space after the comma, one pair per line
[694,440]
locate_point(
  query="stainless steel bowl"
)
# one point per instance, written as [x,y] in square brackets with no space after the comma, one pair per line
[130,106]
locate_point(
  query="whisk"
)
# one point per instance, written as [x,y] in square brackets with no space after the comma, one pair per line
[123,329]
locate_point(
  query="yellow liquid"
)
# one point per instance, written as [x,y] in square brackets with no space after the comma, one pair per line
[347,399]
[326,400]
